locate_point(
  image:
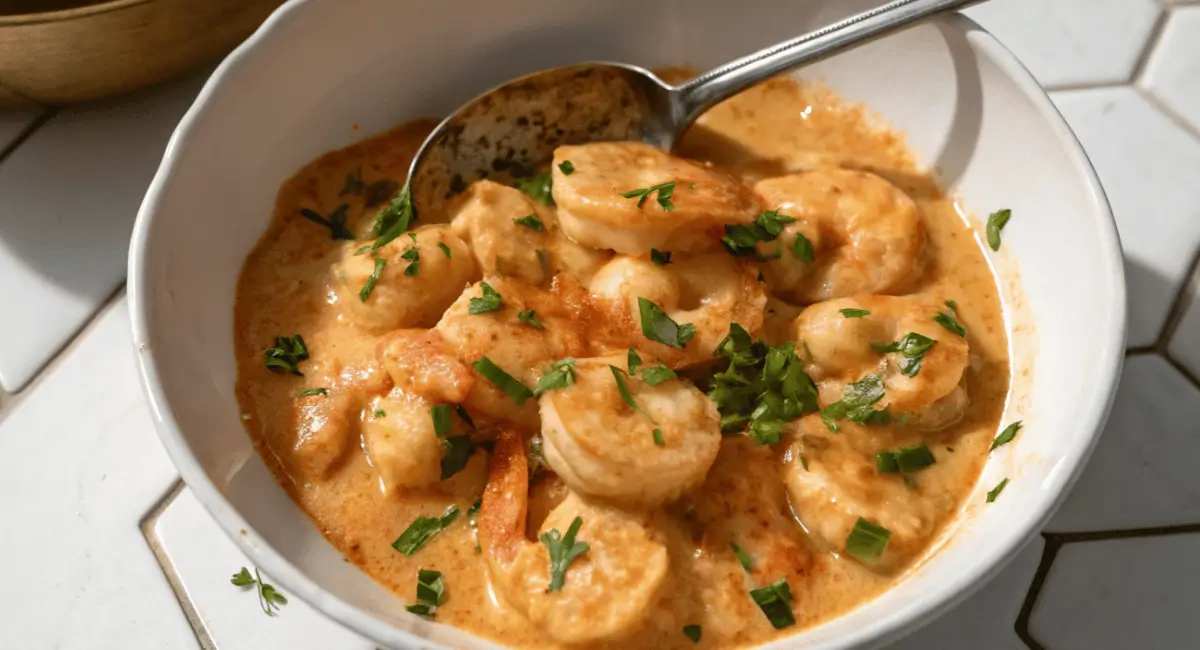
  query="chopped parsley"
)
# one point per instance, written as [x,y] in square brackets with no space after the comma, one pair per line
[952,305]
[633,360]
[622,388]
[529,317]
[354,183]
[445,249]
[560,375]
[455,454]
[742,239]
[537,187]
[336,223]
[508,384]
[413,255]
[314,391]
[657,374]
[369,286]
[743,558]
[867,541]
[947,320]
[904,459]
[857,404]
[762,387]
[776,602]
[286,354]
[692,632]
[658,326]
[803,249]
[854,313]
[269,599]
[421,530]
[441,419]
[430,592]
[995,223]
[662,190]
[531,222]
[566,168]
[394,219]
[1006,435]
[658,438]
[660,258]
[912,347]
[563,550]
[995,492]
[489,301]
[380,413]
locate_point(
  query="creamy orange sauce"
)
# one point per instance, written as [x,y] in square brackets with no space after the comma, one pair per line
[313,444]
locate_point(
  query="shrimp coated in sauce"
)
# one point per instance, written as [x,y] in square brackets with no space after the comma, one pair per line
[603,447]
[400,297]
[839,350]
[707,291]
[609,591]
[400,440]
[593,212]
[866,233]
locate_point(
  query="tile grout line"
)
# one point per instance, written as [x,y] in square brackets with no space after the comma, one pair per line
[147,526]
[1168,111]
[26,132]
[12,399]
[1152,41]
[1184,295]
[1021,625]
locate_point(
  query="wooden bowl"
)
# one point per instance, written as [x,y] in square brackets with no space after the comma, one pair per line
[81,53]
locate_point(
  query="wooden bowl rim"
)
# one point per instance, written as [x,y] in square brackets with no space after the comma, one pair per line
[63,15]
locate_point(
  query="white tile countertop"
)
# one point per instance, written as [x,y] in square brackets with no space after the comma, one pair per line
[106,548]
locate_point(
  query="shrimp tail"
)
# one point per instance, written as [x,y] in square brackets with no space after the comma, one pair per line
[505,503]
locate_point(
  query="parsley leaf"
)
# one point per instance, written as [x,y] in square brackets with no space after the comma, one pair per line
[1006,435]
[633,361]
[857,403]
[660,258]
[269,599]
[566,168]
[803,249]
[431,590]
[995,223]
[413,255]
[445,249]
[314,391]
[743,558]
[369,285]
[912,347]
[563,550]
[421,530]
[762,387]
[441,419]
[658,437]
[529,317]
[867,541]
[622,388]
[336,223]
[658,326]
[560,375]
[354,183]
[854,313]
[537,187]
[663,190]
[508,384]
[531,222]
[242,578]
[995,492]
[692,632]
[947,320]
[489,302]
[776,602]
[393,220]
[456,452]
[286,354]
[905,459]
[741,240]
[657,374]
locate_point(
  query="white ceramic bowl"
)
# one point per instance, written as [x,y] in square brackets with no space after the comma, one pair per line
[317,68]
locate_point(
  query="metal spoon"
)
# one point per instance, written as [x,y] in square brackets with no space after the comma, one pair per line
[514,128]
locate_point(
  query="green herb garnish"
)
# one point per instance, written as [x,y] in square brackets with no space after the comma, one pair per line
[854,313]
[314,391]
[857,404]
[657,374]
[952,305]
[566,168]
[354,183]
[369,286]
[441,419]
[663,190]
[286,354]
[269,599]
[430,591]
[393,220]
[692,632]
[867,541]
[905,459]
[529,317]
[742,239]
[421,530]
[563,550]
[660,258]
[489,301]
[803,249]
[658,437]
[508,384]
[912,347]
[633,361]
[622,388]
[560,375]
[1006,435]
[995,223]
[445,249]
[743,558]
[658,326]
[531,222]
[336,223]
[947,320]
[537,187]
[413,255]
[455,454]
[762,387]
[776,602]
[995,492]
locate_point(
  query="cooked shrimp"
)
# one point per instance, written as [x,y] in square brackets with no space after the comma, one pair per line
[867,234]
[401,443]
[832,484]
[593,212]
[609,591]
[707,291]
[602,446]
[518,348]
[327,423]
[400,297]
[839,350]
[421,361]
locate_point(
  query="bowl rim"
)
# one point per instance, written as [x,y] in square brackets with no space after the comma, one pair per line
[72,13]
[885,629]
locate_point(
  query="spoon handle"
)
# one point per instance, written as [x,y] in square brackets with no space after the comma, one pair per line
[698,95]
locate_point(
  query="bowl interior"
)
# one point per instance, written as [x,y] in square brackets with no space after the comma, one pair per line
[325,73]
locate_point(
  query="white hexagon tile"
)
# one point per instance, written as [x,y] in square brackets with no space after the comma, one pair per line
[123,557]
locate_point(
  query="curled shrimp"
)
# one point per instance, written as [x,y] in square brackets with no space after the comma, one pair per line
[608,591]
[841,349]
[386,295]
[707,291]
[832,484]
[644,445]
[401,443]
[510,235]
[867,234]
[684,209]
